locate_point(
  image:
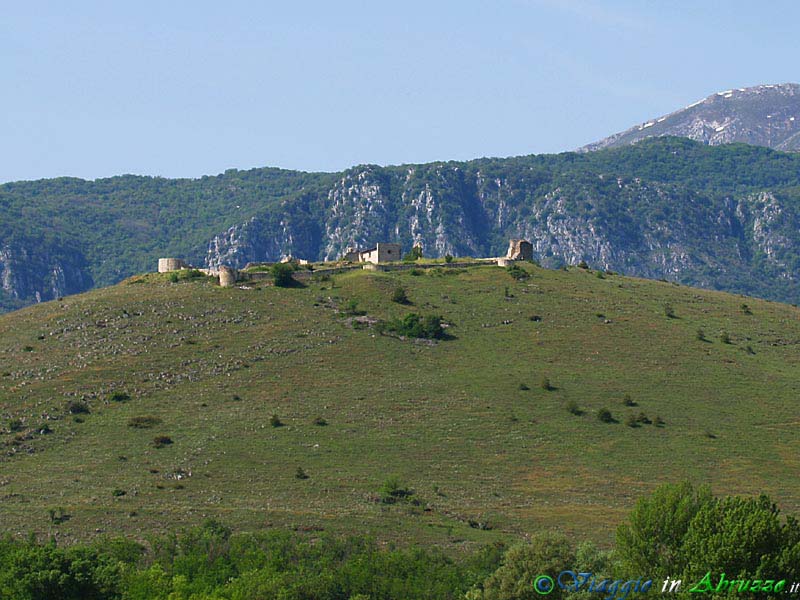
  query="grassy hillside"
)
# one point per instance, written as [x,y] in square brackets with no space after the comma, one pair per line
[465,422]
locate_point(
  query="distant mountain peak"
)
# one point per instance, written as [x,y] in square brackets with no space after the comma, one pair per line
[763,115]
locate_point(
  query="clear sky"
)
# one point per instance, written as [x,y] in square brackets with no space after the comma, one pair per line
[181,89]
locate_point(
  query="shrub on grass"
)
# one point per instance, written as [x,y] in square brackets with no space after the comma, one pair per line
[448,258]
[642,418]
[76,407]
[523,387]
[394,490]
[701,335]
[632,421]
[300,473]
[605,415]
[275,421]
[573,408]
[350,308]
[746,309]
[659,422]
[399,295]
[15,425]
[414,325]
[119,397]
[517,272]
[57,515]
[118,493]
[545,384]
[319,421]
[173,278]
[628,401]
[143,422]
[583,265]
[161,441]
[725,338]
[669,311]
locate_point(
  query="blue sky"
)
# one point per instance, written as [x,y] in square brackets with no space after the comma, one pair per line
[182,89]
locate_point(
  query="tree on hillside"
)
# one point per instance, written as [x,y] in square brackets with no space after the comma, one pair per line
[745,535]
[514,580]
[651,540]
[414,254]
[282,274]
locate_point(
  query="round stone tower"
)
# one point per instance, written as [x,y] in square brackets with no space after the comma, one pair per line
[227,276]
[166,265]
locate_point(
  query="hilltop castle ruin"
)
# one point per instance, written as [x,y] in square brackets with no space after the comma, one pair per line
[375,258]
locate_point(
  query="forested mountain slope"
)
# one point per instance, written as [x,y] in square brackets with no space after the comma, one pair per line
[722,217]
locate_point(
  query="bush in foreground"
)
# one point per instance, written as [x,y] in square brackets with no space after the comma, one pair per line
[545,553]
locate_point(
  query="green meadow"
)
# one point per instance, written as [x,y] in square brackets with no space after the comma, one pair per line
[152,405]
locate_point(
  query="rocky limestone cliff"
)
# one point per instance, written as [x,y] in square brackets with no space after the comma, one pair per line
[36,272]
[632,226]
[289,229]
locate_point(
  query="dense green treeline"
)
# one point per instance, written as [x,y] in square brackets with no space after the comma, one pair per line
[679,532]
[209,562]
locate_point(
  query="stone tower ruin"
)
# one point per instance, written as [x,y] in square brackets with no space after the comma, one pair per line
[166,265]
[519,250]
[227,276]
